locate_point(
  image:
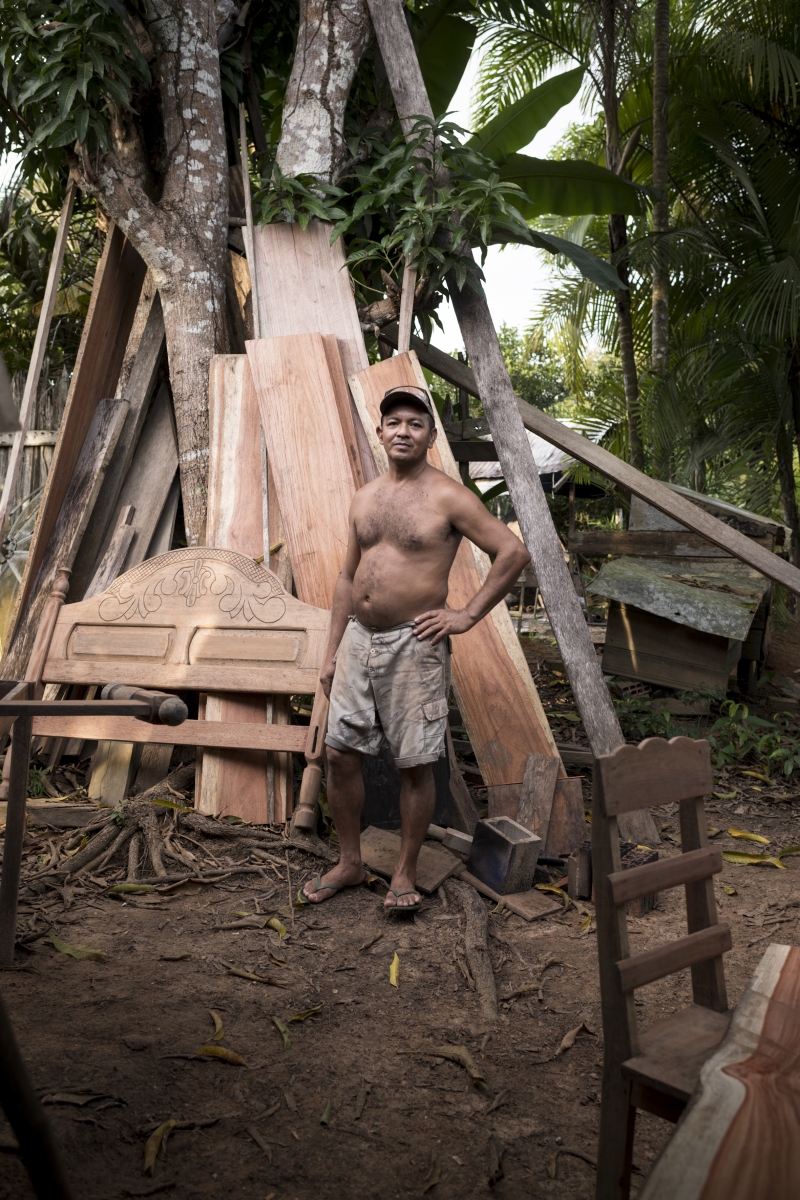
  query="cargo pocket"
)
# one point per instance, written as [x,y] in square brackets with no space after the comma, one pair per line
[434,710]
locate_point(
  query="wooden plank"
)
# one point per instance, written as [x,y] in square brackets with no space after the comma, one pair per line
[154,765]
[639,969]
[739,1137]
[114,767]
[318,299]
[221,734]
[648,543]
[161,541]
[536,797]
[653,773]
[380,850]
[255,786]
[28,404]
[308,456]
[567,827]
[672,1051]
[152,471]
[117,283]
[529,905]
[668,873]
[708,978]
[746,549]
[496,694]
[139,394]
[111,563]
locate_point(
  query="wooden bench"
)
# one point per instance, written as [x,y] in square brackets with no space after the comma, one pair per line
[656,1069]
[739,1138]
[208,620]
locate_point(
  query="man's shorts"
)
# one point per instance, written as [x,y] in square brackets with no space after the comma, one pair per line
[389,684]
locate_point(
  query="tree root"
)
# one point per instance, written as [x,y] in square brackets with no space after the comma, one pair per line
[476,929]
[134,850]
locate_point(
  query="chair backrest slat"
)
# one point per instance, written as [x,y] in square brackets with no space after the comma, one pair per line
[653,773]
[639,969]
[668,873]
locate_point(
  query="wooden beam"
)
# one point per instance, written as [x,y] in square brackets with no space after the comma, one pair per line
[640,969]
[28,405]
[138,392]
[649,543]
[668,873]
[115,294]
[220,734]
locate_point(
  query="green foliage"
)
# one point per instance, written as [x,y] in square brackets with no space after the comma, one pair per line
[740,738]
[517,124]
[36,788]
[444,45]
[534,368]
[640,718]
[67,66]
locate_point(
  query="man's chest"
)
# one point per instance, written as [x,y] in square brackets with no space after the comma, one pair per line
[409,526]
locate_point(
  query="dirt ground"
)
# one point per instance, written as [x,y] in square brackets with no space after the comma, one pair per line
[111,1045]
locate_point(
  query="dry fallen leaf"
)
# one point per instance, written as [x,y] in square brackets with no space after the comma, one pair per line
[130,889]
[326,1115]
[240,974]
[433,1176]
[284,1032]
[757,775]
[729,891]
[496,1152]
[394,971]
[156,1146]
[569,1039]
[552,1162]
[261,1142]
[457,1054]
[371,942]
[82,953]
[278,926]
[743,858]
[219,1030]
[222,1052]
[750,837]
[307,1012]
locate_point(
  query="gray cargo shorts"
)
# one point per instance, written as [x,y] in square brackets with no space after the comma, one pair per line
[388,684]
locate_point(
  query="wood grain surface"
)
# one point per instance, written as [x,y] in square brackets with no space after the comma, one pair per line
[496,694]
[655,772]
[241,735]
[739,1137]
[308,457]
[115,294]
[254,785]
[380,850]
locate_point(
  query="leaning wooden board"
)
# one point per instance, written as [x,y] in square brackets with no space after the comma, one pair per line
[308,456]
[380,850]
[496,694]
[251,784]
[739,1137]
[115,295]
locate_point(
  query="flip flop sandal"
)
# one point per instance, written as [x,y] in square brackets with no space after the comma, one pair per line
[319,886]
[403,908]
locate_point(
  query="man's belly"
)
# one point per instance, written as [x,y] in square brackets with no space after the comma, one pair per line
[390,587]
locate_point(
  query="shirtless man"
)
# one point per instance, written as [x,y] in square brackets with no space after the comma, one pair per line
[387,665]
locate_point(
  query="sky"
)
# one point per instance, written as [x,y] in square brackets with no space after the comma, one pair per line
[514,274]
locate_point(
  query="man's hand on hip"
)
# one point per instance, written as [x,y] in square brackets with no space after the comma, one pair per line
[441,622]
[326,677]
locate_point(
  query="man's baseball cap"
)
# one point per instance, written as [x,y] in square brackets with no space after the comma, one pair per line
[407,394]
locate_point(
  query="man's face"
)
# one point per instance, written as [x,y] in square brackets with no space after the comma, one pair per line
[406,433]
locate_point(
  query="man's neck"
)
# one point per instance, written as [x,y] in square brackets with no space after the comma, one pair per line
[407,472]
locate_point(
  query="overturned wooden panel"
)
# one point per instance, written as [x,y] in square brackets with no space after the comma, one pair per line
[253,785]
[308,457]
[115,295]
[496,694]
[738,1138]
[380,850]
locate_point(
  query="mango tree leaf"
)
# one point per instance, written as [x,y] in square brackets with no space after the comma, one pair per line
[219,1028]
[750,837]
[569,188]
[394,971]
[517,124]
[221,1052]
[278,926]
[82,953]
[443,54]
[743,858]
[283,1031]
[307,1012]
[156,1146]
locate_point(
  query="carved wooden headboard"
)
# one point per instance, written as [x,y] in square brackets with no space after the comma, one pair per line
[203,618]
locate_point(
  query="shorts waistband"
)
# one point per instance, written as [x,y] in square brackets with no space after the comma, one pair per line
[379,632]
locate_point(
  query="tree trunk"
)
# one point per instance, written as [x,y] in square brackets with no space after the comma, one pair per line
[332,38]
[784,448]
[660,316]
[617,227]
[182,236]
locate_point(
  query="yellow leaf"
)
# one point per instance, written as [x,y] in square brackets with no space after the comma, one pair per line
[219,1030]
[278,926]
[586,922]
[394,971]
[750,837]
[82,953]
[757,775]
[743,858]
[240,974]
[284,1032]
[156,1145]
[130,889]
[172,804]
[326,1116]
[789,850]
[726,795]
[712,830]
[307,1012]
[221,1052]
[729,891]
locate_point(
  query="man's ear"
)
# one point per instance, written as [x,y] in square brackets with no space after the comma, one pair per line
[434,435]
[379,431]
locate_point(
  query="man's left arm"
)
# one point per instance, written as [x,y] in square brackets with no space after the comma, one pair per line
[473,520]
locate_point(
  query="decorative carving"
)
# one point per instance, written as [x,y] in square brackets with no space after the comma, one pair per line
[240,586]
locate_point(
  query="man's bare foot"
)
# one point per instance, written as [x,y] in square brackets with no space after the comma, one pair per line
[343,875]
[402,883]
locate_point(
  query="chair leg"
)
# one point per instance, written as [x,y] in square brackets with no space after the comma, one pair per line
[615,1144]
[15,833]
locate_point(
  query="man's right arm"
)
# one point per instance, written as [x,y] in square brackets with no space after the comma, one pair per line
[342,606]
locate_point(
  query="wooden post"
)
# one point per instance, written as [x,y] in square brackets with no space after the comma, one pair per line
[248,228]
[519,469]
[15,832]
[44,634]
[406,322]
[305,816]
[37,358]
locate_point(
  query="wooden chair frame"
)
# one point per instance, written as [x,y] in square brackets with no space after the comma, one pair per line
[655,1070]
[205,619]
